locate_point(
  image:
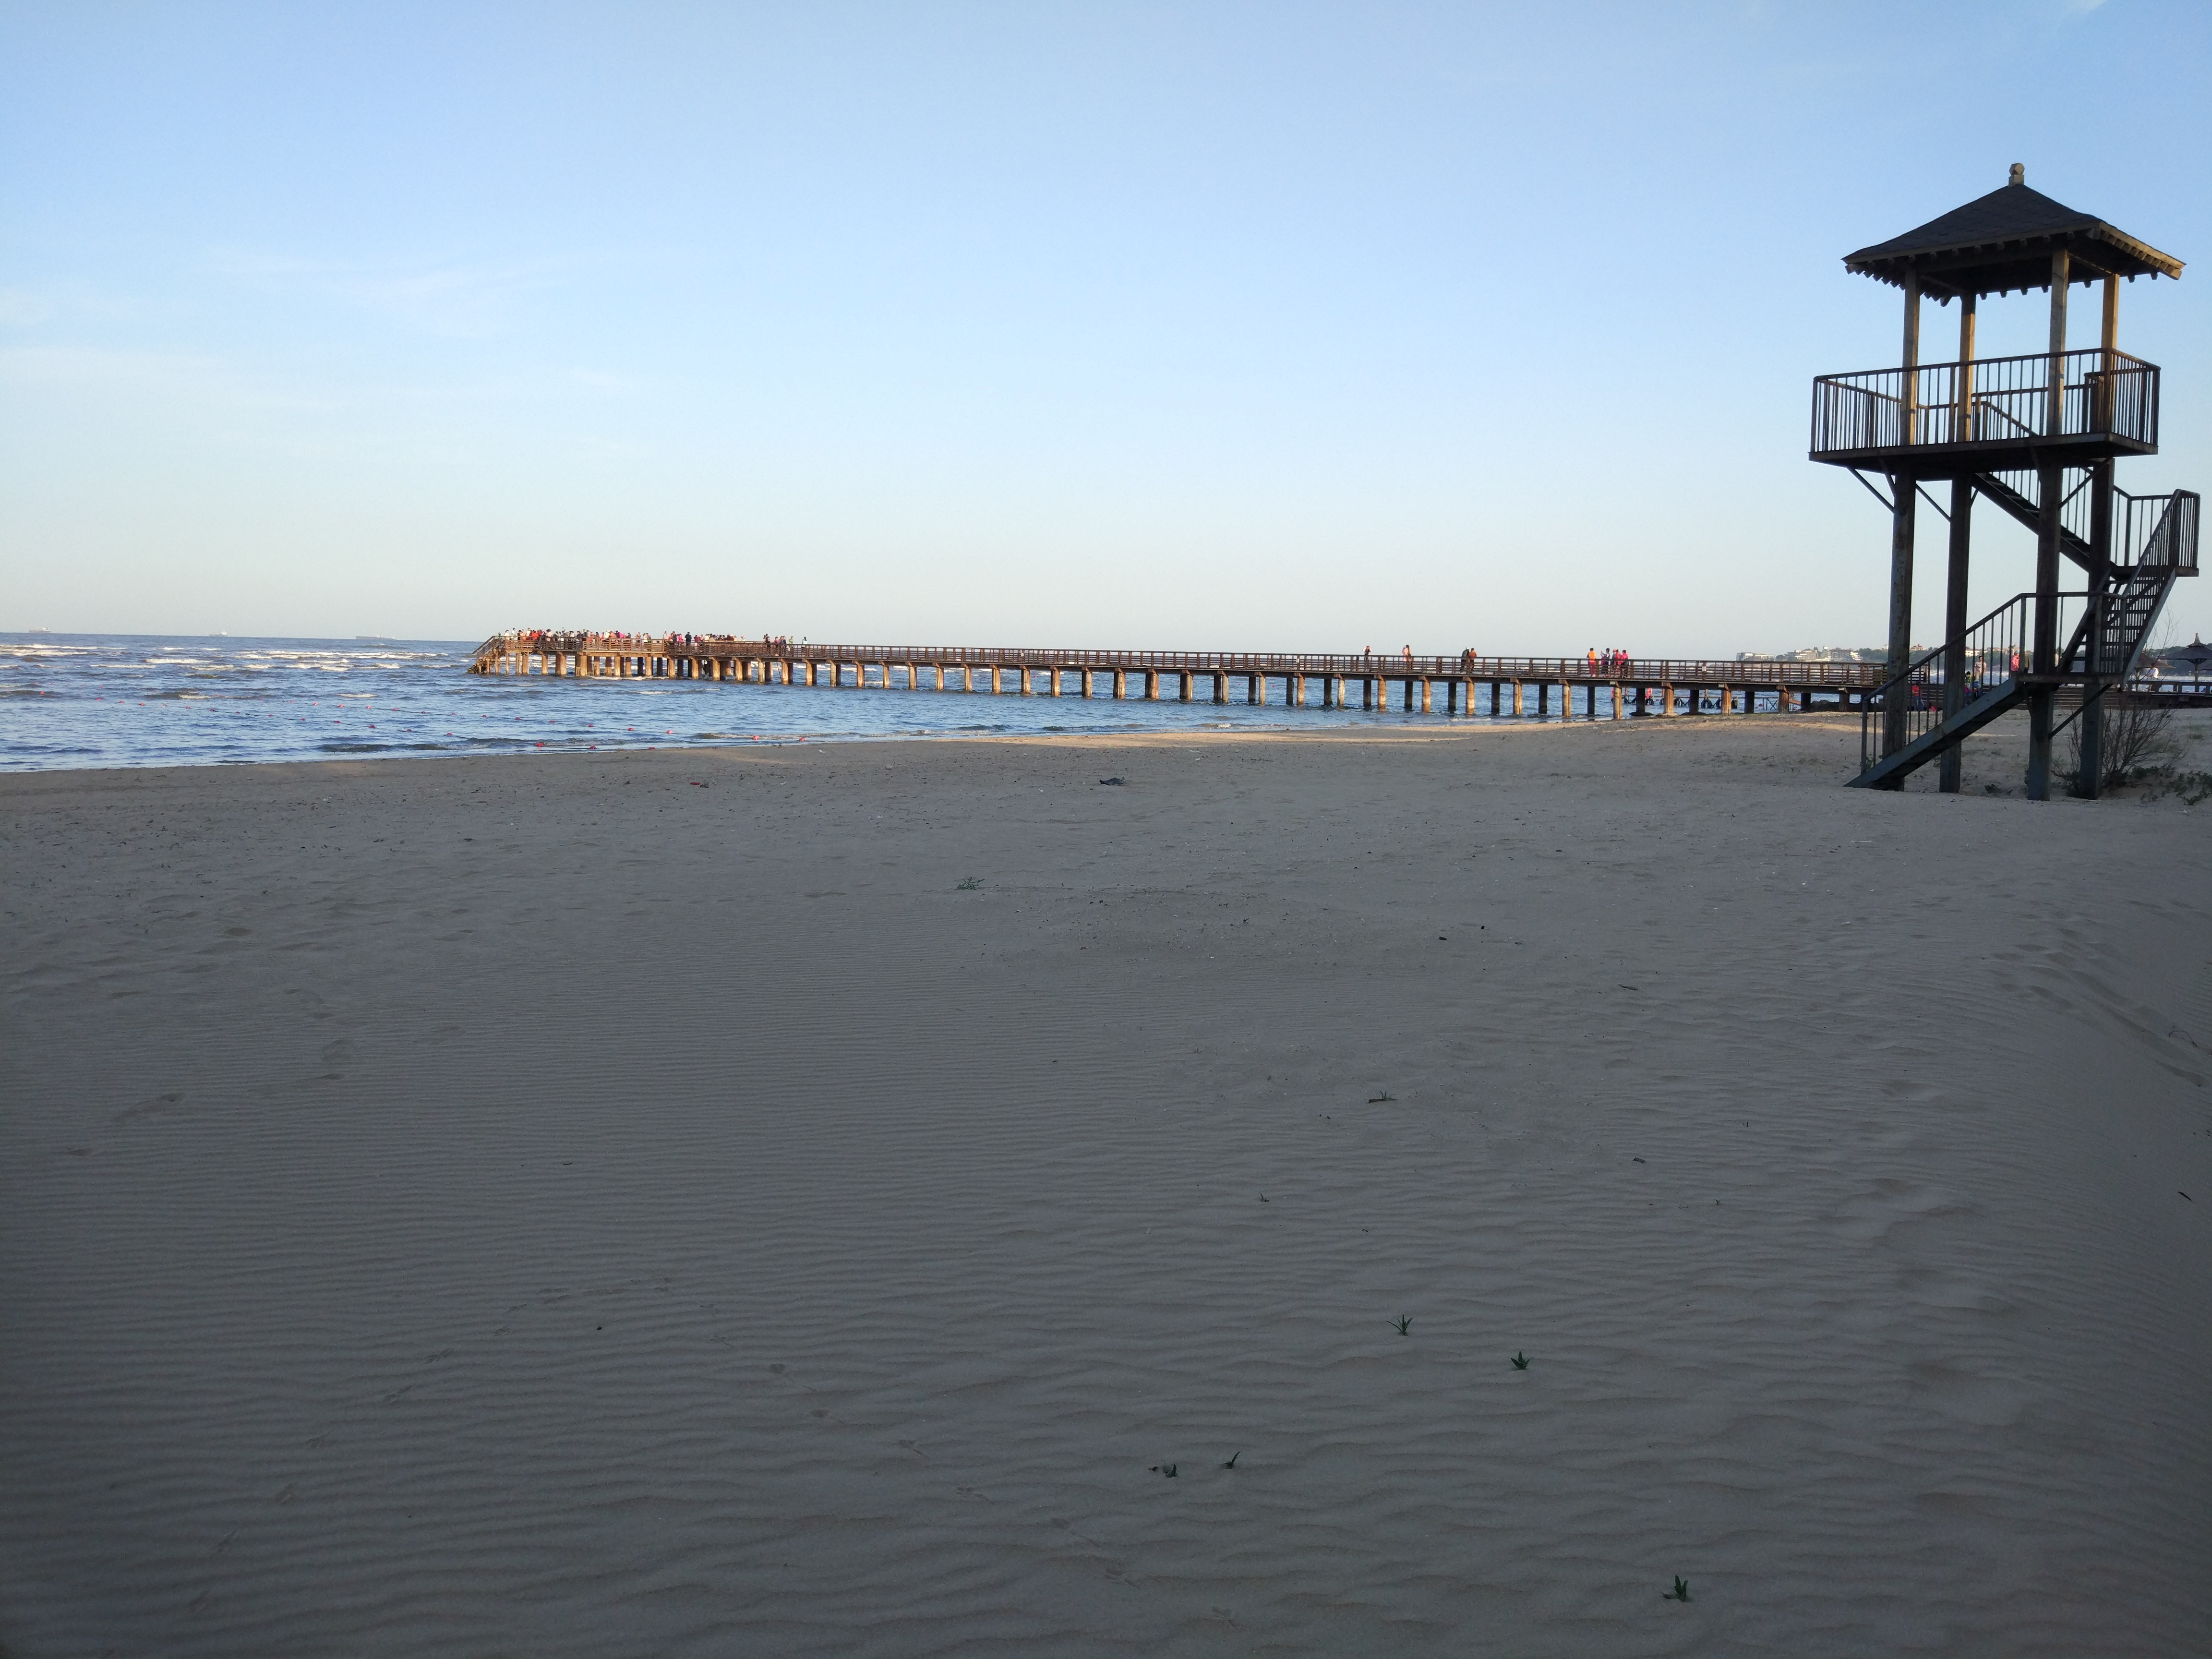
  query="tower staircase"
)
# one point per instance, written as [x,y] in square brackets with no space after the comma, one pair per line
[1945,695]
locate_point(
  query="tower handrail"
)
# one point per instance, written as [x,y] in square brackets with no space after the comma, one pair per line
[1995,650]
[2171,541]
[2103,393]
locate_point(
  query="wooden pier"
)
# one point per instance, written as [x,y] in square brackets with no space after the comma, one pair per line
[1543,688]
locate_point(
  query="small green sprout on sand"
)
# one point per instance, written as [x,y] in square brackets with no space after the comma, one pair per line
[967,884]
[1167,1469]
[1681,1592]
[1403,1324]
[1233,1456]
[1520,1362]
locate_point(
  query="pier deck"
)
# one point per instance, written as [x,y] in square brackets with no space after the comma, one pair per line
[1538,687]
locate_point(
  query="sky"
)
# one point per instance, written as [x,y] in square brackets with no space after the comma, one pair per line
[1270,327]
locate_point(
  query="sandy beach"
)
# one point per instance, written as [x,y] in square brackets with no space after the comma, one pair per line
[916,1198]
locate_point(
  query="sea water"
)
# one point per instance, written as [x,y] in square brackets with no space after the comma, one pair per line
[104,699]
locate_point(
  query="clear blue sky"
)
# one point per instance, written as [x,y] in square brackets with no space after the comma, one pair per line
[1263,325]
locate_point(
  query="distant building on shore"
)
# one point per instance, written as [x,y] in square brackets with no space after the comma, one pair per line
[1821,653]
[2193,661]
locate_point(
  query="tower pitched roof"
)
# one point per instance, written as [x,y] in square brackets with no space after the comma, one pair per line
[2005,240]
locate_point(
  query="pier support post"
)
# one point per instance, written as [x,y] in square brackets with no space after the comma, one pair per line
[1220,687]
[1256,689]
[1616,700]
[1152,685]
[1121,684]
[1086,682]
[1182,689]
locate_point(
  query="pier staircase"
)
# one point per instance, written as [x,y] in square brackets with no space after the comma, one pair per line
[1946,696]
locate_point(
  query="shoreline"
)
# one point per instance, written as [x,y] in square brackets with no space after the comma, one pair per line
[1407,727]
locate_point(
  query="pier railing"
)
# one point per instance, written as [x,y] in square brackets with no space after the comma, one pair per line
[1993,400]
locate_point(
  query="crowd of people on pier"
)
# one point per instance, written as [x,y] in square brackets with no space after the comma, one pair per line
[688,640]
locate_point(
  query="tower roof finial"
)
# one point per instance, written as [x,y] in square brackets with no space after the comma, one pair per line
[2018,174]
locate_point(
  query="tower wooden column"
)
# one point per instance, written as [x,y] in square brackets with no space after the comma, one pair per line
[1904,502]
[1960,549]
[2089,779]
[2051,484]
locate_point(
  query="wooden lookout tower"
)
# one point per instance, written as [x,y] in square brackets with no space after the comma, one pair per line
[2038,436]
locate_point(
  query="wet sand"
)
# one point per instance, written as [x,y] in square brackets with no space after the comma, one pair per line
[806,1200]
